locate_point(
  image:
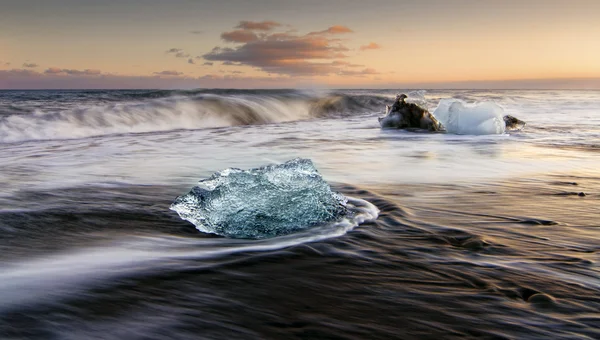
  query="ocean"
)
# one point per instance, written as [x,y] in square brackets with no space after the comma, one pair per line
[477,236]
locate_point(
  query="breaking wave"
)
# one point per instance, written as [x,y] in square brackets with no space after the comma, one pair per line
[170,110]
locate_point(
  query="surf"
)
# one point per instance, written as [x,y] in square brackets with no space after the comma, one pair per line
[44,280]
[167,111]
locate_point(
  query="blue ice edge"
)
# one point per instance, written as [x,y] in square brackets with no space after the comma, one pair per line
[270,201]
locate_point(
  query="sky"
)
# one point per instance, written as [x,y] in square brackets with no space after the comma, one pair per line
[48,44]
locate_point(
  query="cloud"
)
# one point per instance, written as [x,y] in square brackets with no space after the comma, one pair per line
[19,72]
[209,77]
[283,52]
[169,73]
[230,63]
[174,50]
[182,55]
[370,46]
[53,70]
[30,65]
[72,72]
[337,29]
[240,36]
[345,64]
[31,79]
[258,26]
[365,72]
[56,79]
[208,63]
[178,52]
[197,32]
[225,80]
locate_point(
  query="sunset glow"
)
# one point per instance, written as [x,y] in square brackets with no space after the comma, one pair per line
[271,44]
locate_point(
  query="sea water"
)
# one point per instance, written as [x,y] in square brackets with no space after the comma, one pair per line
[454,235]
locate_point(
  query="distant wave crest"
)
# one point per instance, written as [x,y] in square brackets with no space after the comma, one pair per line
[172,110]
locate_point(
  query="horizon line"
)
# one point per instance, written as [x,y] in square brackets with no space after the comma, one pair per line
[302,88]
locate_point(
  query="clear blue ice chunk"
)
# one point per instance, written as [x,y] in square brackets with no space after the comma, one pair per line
[260,203]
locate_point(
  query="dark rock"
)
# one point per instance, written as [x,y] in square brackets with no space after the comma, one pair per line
[513,123]
[403,115]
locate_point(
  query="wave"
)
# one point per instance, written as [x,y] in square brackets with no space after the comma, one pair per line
[150,111]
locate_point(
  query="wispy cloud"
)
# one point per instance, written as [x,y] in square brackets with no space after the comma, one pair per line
[286,53]
[208,63]
[191,61]
[345,63]
[31,79]
[209,77]
[178,53]
[174,50]
[169,73]
[337,29]
[197,32]
[19,72]
[370,46]
[182,55]
[239,36]
[258,26]
[30,65]
[72,72]
[363,73]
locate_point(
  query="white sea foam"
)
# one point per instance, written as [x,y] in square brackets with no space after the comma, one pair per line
[165,114]
[45,280]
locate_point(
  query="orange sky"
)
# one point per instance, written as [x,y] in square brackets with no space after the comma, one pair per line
[268,43]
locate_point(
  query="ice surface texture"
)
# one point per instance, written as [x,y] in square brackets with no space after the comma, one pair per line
[260,203]
[460,118]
